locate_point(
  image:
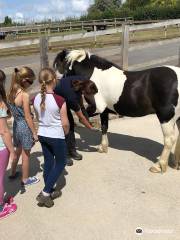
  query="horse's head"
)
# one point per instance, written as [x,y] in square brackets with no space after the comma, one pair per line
[74,62]
[60,62]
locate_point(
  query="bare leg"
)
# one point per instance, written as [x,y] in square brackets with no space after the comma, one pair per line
[177,149]
[15,162]
[25,164]
[103,147]
[168,130]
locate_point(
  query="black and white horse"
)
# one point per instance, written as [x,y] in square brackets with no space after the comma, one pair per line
[133,94]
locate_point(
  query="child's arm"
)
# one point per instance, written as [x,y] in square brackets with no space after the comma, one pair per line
[28,117]
[64,118]
[6,136]
[83,119]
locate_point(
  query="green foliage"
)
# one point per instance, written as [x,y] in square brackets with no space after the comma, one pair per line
[138,9]
[103,7]
[7,21]
[164,3]
[154,13]
[134,4]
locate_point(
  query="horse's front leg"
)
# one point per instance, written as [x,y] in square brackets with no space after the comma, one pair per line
[168,130]
[103,147]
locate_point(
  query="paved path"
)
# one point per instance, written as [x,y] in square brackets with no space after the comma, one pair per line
[104,196]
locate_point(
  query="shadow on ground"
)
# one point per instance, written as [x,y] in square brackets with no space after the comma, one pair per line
[144,147]
[12,187]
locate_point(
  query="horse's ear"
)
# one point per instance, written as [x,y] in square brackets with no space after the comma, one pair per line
[64,53]
[61,55]
[2,76]
[59,61]
[90,88]
[77,85]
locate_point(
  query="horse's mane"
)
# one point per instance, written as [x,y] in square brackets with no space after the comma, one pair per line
[76,55]
[80,55]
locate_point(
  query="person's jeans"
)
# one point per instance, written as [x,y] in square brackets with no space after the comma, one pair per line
[54,151]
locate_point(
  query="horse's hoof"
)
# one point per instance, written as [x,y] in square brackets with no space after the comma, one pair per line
[173,163]
[155,168]
[102,149]
[176,166]
[176,162]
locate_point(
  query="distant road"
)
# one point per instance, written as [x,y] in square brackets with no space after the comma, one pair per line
[137,56]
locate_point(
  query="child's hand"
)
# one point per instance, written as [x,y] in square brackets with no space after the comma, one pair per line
[95,129]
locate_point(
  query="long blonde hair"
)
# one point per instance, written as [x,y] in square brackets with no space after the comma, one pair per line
[46,77]
[17,81]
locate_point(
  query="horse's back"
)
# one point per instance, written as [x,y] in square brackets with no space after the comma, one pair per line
[149,91]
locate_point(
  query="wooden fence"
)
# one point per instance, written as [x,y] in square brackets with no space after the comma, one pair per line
[65,26]
[125,50]
[125,30]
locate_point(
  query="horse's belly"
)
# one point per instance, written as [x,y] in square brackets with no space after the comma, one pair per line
[132,110]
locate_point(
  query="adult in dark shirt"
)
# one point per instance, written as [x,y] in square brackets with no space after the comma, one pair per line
[71,89]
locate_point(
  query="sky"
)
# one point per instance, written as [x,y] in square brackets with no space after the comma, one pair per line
[29,10]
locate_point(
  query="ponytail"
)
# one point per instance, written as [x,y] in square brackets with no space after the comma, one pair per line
[46,76]
[17,81]
[43,96]
[14,86]
[2,88]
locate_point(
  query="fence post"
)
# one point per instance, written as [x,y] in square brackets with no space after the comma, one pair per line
[44,62]
[165,31]
[125,46]
[179,58]
[95,37]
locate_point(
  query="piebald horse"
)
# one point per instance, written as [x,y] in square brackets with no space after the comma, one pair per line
[127,93]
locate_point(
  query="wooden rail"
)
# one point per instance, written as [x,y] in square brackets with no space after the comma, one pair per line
[125,29]
[61,26]
[94,34]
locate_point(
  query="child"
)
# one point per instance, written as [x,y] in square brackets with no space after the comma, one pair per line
[6,150]
[24,133]
[51,113]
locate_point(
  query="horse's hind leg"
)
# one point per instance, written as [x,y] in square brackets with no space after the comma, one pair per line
[168,130]
[103,147]
[177,148]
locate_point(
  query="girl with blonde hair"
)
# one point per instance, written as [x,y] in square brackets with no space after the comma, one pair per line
[24,133]
[51,113]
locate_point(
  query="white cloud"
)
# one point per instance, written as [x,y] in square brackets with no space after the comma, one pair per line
[42,9]
[59,5]
[80,5]
[58,9]
[54,9]
[19,17]
[1,12]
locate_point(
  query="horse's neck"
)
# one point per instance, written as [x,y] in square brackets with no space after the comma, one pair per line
[110,84]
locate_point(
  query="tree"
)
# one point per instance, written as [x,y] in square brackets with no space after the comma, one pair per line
[164,2]
[7,21]
[133,4]
[104,5]
[117,3]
